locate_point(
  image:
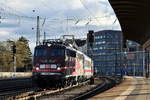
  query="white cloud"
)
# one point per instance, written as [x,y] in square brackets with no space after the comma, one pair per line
[32,45]
[59,10]
[75,4]
[4,34]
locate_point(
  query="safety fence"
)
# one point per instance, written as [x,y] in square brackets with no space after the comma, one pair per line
[124,63]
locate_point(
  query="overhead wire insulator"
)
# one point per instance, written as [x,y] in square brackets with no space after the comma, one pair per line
[77,22]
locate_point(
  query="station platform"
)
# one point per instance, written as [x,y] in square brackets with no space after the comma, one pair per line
[4,75]
[132,88]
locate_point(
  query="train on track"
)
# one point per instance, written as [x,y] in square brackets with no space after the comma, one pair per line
[56,64]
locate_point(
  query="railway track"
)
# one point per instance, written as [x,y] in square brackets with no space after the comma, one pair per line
[13,86]
[76,92]
[23,89]
[79,92]
[52,92]
[72,93]
[107,84]
[82,92]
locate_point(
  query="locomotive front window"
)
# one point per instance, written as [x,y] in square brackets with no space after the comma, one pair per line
[50,52]
[57,52]
[40,52]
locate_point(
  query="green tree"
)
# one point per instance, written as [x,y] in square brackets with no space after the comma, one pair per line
[6,61]
[23,53]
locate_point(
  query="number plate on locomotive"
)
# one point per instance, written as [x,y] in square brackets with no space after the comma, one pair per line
[46,73]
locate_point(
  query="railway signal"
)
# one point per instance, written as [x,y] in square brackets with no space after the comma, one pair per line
[14,56]
[90,37]
[14,49]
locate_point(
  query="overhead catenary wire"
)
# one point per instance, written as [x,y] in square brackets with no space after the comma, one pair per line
[89,11]
[48,19]
[74,28]
[8,11]
[20,16]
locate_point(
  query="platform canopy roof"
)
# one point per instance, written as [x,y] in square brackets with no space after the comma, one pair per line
[134,18]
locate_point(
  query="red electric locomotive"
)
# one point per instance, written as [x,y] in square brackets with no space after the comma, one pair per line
[57,64]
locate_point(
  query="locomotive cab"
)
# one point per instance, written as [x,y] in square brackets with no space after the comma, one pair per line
[48,62]
[60,65]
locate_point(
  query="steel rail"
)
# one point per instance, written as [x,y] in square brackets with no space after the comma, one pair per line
[107,84]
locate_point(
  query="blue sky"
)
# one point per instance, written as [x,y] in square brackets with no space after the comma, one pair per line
[18,18]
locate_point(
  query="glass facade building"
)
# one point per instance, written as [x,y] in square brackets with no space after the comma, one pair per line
[105,51]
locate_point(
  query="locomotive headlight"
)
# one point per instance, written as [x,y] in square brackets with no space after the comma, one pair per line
[58,68]
[37,68]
